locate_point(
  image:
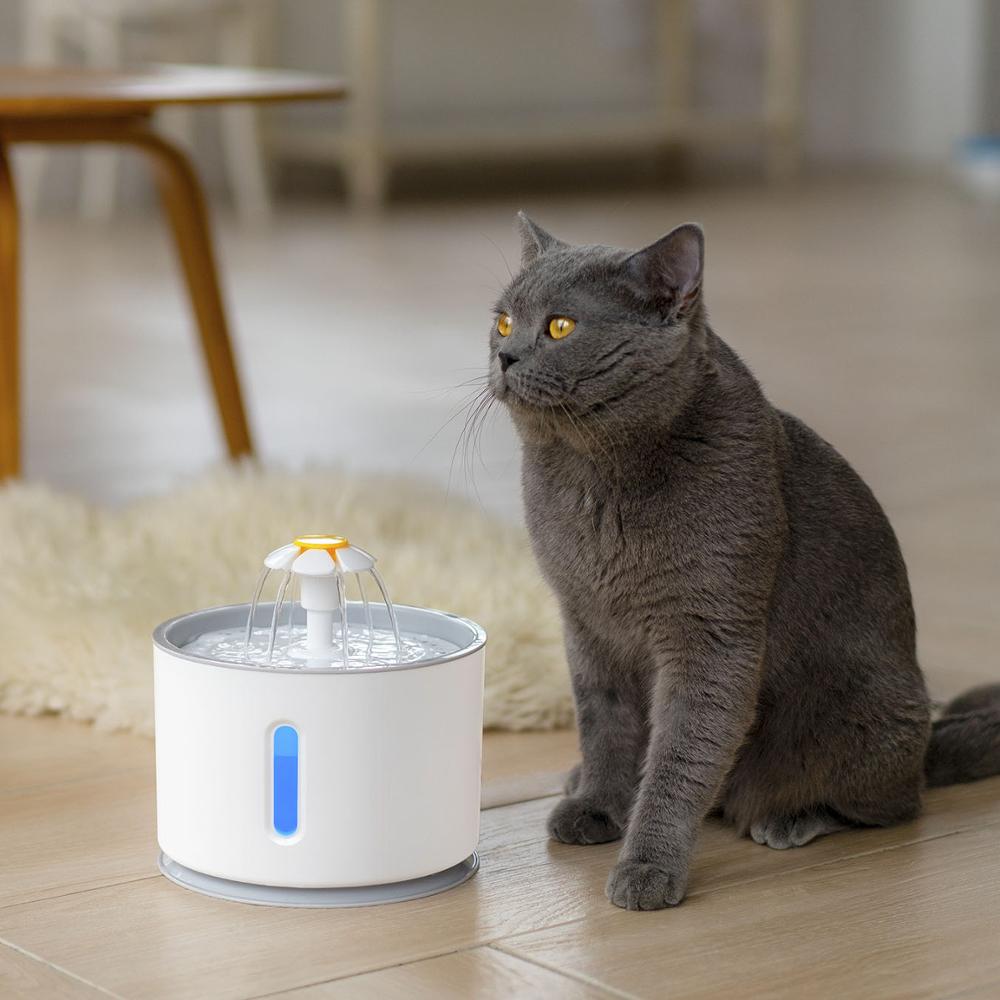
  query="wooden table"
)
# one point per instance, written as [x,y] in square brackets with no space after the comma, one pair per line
[84,106]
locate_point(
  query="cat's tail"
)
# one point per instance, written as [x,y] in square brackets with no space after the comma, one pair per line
[965,739]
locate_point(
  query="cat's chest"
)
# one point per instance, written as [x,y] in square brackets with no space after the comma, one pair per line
[583,530]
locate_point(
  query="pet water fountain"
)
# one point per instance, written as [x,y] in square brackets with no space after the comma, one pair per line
[318,750]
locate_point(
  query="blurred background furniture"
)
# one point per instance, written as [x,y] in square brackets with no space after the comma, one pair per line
[101,33]
[87,106]
[375,141]
[375,138]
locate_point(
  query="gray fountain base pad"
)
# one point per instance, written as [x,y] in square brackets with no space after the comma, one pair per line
[362,895]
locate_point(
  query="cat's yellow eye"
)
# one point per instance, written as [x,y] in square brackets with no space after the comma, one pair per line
[561,326]
[504,325]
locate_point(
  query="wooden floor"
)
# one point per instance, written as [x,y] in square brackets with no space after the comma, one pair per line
[908,912]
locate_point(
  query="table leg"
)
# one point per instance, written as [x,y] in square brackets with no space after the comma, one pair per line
[185,207]
[10,437]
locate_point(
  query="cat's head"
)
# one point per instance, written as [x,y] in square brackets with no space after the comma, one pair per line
[591,337]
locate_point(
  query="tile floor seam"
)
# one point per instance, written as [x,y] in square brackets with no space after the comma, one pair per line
[77,892]
[972,991]
[364,972]
[515,802]
[611,991]
[58,968]
[48,786]
[846,857]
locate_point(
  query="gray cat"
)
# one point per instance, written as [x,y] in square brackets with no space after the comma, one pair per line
[736,609]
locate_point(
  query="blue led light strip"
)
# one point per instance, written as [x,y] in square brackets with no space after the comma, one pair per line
[285,810]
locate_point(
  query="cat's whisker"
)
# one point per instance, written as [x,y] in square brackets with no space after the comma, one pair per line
[466,411]
[469,401]
[487,412]
[481,398]
[479,424]
[503,256]
[444,390]
[472,448]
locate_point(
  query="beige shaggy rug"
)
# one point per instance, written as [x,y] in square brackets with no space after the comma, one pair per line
[82,588]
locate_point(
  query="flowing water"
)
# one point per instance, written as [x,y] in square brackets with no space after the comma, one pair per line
[366,647]
[325,644]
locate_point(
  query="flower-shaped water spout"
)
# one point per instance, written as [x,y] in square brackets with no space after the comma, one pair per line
[320,566]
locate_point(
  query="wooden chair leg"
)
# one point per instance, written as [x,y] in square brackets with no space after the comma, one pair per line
[10,393]
[185,207]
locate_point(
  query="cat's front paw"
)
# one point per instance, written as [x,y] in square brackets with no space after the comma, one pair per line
[583,820]
[637,885]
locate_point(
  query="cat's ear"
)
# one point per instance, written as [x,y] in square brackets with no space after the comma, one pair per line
[671,268]
[534,240]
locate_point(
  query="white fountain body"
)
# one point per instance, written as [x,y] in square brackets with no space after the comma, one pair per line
[338,780]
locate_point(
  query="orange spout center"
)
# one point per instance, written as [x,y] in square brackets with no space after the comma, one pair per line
[326,542]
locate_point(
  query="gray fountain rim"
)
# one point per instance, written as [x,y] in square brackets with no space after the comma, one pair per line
[163,643]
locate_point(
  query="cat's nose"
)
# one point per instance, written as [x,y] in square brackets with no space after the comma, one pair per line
[506,360]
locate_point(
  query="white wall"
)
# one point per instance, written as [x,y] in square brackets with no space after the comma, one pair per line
[895,81]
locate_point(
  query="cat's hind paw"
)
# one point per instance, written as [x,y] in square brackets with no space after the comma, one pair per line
[583,821]
[637,885]
[782,832]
